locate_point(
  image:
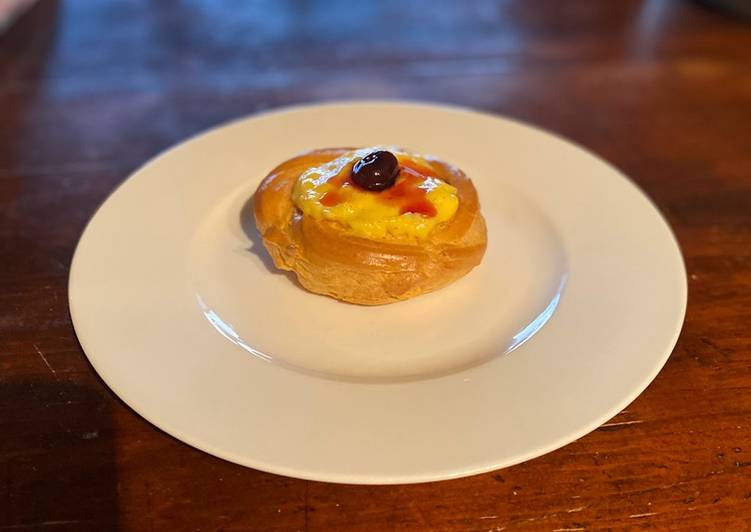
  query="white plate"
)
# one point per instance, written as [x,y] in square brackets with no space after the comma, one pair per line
[574,310]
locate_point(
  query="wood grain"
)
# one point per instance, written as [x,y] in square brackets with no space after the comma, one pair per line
[89,90]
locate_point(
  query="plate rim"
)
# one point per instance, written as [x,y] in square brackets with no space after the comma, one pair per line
[292,472]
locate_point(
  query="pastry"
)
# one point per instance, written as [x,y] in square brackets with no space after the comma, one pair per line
[370,226]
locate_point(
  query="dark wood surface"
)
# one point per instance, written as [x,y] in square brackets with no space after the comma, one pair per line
[89,90]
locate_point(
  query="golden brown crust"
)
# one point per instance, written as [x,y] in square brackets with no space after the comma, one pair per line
[358,270]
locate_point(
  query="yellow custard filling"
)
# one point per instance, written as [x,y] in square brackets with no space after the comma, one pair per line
[411,208]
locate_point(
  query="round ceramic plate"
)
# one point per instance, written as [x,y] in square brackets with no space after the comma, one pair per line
[575,308]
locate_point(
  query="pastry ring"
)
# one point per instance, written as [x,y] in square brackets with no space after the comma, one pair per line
[370,226]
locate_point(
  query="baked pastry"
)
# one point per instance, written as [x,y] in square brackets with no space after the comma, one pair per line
[370,226]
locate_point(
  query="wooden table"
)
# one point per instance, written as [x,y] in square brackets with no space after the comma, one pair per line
[89,90]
